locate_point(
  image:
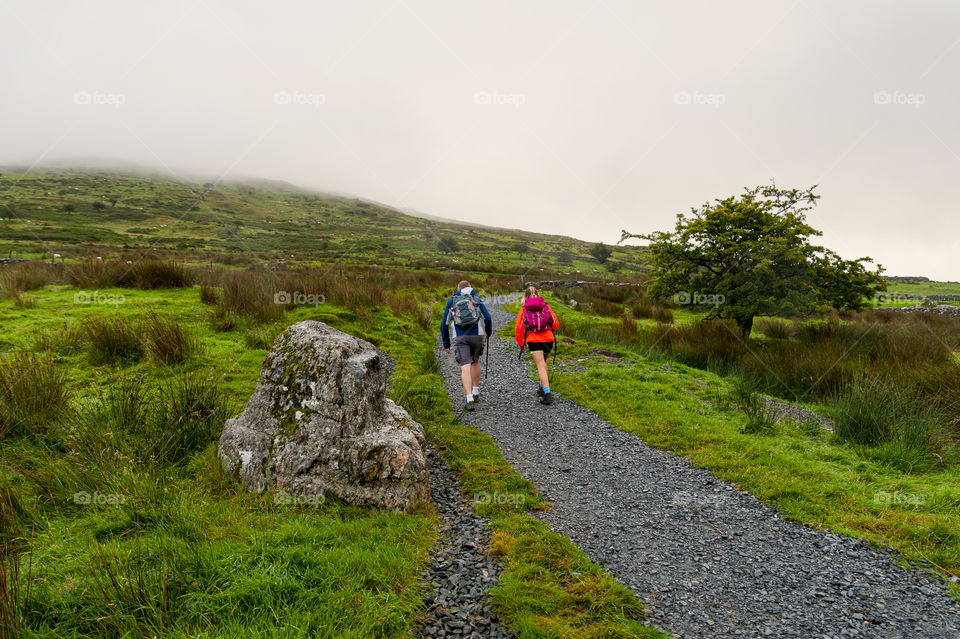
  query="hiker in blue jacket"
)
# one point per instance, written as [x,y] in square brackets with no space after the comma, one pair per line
[465,308]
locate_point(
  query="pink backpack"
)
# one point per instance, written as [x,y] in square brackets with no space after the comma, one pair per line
[536,316]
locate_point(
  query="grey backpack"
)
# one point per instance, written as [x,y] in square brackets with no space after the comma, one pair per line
[466,314]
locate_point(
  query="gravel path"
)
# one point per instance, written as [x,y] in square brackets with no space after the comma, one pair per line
[709,560]
[462,572]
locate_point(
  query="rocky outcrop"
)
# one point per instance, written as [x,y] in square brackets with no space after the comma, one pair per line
[319,422]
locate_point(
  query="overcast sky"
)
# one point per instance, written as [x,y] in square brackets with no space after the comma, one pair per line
[580,118]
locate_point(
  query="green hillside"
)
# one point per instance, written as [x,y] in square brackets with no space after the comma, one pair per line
[85,213]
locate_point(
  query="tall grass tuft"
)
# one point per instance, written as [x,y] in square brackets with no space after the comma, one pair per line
[14,585]
[152,274]
[112,340]
[33,393]
[251,294]
[25,276]
[908,432]
[166,340]
[189,416]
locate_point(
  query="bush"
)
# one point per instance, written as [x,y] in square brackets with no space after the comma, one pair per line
[33,393]
[166,340]
[112,340]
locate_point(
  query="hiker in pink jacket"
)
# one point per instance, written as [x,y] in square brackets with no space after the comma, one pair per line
[535,328]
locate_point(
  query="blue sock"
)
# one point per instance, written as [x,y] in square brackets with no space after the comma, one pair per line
[546,389]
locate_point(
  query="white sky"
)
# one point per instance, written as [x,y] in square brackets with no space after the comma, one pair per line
[568,117]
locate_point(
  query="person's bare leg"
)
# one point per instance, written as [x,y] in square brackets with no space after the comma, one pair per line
[540,359]
[475,373]
[466,376]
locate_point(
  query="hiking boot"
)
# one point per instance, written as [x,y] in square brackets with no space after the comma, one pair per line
[470,406]
[476,397]
[546,398]
[540,392]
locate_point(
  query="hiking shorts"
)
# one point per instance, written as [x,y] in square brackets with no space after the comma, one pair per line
[467,349]
[546,347]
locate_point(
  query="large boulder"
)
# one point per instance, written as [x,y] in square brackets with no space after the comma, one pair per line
[319,422]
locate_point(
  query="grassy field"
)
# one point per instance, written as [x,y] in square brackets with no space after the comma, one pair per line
[104,214]
[118,520]
[893,491]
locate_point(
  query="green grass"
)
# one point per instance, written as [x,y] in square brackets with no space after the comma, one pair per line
[132,528]
[104,214]
[808,475]
[173,546]
[924,288]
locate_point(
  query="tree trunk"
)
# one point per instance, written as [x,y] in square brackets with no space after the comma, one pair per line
[746,325]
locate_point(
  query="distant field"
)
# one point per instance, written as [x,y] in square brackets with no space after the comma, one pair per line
[77,214]
[924,288]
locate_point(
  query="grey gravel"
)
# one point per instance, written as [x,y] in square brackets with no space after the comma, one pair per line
[709,560]
[462,571]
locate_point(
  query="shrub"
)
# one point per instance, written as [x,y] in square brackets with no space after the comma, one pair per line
[166,340]
[111,340]
[33,393]
[208,295]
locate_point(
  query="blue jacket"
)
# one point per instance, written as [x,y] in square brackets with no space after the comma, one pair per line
[473,330]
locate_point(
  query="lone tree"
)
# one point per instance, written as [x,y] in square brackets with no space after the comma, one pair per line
[751,255]
[601,252]
[448,244]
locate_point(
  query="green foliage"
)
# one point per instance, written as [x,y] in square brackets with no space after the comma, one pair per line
[189,416]
[112,340]
[601,252]
[448,245]
[909,432]
[751,255]
[167,340]
[33,393]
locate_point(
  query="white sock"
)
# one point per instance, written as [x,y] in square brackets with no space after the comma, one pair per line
[469,398]
[476,390]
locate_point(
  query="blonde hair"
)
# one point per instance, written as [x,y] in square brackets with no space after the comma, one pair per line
[530,292]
